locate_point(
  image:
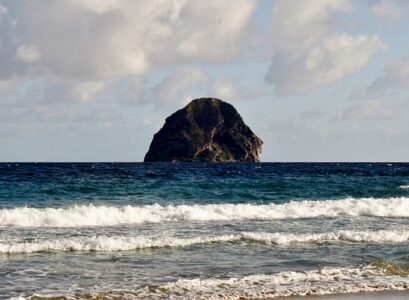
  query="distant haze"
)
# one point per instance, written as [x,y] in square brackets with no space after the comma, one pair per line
[316,80]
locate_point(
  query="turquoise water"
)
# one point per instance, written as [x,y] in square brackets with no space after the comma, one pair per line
[202,230]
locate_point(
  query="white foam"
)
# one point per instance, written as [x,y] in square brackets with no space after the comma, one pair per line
[380,237]
[91,215]
[316,282]
[122,243]
[107,243]
[404,187]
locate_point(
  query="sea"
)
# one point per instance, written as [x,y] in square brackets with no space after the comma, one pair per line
[202,230]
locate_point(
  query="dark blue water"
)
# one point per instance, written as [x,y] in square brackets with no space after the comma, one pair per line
[195,230]
[61,184]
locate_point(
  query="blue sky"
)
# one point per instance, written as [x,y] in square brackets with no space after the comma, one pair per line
[317,80]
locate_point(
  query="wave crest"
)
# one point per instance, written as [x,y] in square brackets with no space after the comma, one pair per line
[91,215]
[123,243]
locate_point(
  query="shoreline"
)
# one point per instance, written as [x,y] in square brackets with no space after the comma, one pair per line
[381,295]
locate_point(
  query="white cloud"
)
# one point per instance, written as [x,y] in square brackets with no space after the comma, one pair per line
[340,56]
[211,31]
[225,88]
[28,54]
[84,46]
[101,39]
[390,10]
[386,98]
[305,21]
[98,6]
[181,86]
[85,91]
[233,89]
[177,86]
[51,90]
[309,51]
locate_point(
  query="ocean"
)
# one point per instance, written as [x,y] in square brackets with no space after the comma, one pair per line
[202,231]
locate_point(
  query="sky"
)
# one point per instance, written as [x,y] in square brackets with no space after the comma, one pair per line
[316,80]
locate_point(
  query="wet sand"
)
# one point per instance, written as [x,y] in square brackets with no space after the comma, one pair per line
[387,295]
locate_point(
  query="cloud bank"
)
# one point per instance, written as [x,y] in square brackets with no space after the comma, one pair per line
[104,39]
[309,51]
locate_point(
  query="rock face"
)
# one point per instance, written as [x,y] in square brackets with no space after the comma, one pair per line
[206,130]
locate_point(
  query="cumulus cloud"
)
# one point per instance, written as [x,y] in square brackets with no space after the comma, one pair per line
[83,48]
[309,51]
[101,39]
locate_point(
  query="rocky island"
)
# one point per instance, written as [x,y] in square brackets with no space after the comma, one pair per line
[206,130]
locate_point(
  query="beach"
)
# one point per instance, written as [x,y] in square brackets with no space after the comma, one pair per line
[360,296]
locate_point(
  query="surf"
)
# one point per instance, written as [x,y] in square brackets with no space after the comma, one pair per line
[92,215]
[128,243]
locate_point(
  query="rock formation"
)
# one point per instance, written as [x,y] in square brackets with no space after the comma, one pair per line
[206,130]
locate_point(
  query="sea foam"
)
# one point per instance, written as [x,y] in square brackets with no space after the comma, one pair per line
[107,243]
[324,281]
[123,243]
[317,282]
[91,215]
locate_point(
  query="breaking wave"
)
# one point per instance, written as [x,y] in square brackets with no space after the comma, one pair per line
[107,243]
[91,215]
[379,237]
[324,281]
[123,243]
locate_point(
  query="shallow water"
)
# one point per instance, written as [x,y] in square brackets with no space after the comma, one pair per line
[202,230]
